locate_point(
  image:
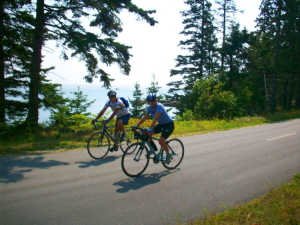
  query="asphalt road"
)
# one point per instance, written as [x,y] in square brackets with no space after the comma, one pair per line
[220,169]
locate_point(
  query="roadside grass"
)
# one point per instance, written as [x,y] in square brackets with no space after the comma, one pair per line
[281,206]
[51,140]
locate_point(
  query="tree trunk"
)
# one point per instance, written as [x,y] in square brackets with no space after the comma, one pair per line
[276,58]
[224,35]
[2,89]
[35,78]
[297,95]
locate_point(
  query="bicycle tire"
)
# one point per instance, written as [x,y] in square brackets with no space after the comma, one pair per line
[128,141]
[176,147]
[98,145]
[135,162]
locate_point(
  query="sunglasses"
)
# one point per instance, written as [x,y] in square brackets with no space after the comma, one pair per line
[152,101]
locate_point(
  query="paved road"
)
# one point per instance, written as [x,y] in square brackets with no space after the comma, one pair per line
[219,169]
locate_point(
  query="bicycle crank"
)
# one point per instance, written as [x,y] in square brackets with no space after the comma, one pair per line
[155,160]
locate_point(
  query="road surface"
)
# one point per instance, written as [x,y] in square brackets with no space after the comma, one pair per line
[219,169]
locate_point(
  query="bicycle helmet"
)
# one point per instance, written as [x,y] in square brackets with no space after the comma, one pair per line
[111,93]
[151,98]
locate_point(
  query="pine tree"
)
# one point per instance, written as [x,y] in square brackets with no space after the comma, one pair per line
[201,47]
[154,88]
[226,11]
[270,24]
[137,108]
[61,22]
[16,29]
[291,54]
[79,103]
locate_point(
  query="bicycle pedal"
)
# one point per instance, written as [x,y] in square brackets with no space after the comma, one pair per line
[115,148]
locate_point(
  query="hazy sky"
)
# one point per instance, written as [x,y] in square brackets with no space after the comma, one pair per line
[154,48]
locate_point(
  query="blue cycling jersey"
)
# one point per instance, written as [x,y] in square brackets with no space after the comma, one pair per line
[159,108]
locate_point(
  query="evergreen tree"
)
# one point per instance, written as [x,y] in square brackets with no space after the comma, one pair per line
[278,33]
[137,109]
[79,104]
[16,29]
[226,11]
[60,21]
[68,111]
[200,30]
[291,55]
[201,47]
[154,88]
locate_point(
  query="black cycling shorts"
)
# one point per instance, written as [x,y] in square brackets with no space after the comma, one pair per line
[166,129]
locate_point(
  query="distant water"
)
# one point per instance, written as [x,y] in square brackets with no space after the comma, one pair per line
[99,95]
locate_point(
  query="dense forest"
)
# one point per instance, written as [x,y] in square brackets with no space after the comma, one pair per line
[231,72]
[227,71]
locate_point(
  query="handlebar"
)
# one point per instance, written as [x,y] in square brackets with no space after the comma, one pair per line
[144,130]
[101,121]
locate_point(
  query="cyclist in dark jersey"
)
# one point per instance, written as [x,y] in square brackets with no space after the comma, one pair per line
[165,124]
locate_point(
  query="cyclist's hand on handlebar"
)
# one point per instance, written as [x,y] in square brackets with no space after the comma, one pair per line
[104,122]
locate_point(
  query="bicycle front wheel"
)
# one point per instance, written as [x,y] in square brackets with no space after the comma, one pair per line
[135,160]
[98,145]
[128,140]
[177,149]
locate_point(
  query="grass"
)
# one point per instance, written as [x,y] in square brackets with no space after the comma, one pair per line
[280,206]
[18,143]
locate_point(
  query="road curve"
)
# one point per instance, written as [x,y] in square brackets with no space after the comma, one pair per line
[219,169]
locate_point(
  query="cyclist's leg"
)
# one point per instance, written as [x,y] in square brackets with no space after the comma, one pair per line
[119,126]
[124,120]
[167,130]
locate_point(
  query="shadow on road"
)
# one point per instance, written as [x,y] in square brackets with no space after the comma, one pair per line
[13,169]
[99,162]
[142,181]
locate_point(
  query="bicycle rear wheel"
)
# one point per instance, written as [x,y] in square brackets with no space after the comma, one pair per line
[98,145]
[177,149]
[135,160]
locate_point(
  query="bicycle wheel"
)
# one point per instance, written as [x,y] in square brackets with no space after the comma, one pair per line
[128,141]
[135,162]
[177,149]
[98,145]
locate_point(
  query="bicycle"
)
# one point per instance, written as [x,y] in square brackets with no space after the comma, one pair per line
[99,143]
[136,157]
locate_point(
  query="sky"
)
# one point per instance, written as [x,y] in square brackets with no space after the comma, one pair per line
[154,48]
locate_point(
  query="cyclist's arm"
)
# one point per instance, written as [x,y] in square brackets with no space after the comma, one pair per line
[101,113]
[113,114]
[143,119]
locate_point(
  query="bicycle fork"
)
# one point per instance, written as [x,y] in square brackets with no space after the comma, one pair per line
[139,153]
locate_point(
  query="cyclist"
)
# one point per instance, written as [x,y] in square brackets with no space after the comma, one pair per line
[119,110]
[165,123]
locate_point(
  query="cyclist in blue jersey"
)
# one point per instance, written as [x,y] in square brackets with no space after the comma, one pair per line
[165,124]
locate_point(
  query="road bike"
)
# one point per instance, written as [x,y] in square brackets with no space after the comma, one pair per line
[102,142]
[136,157]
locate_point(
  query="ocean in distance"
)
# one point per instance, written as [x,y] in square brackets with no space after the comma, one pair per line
[99,95]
